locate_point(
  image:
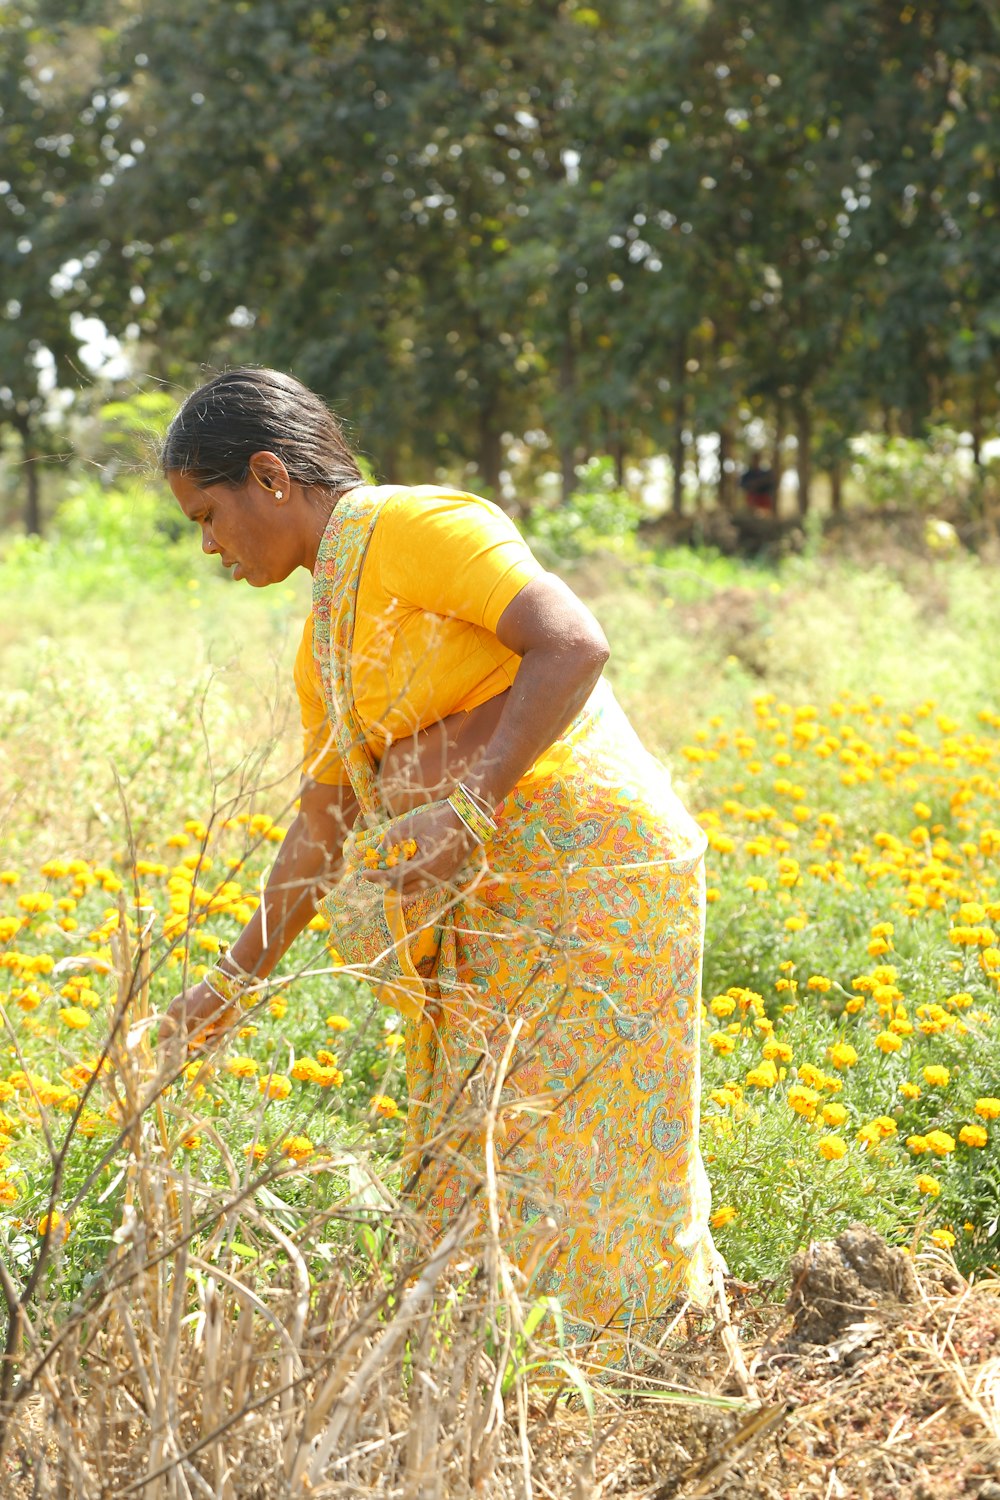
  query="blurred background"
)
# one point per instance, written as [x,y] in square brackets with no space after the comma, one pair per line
[694,242]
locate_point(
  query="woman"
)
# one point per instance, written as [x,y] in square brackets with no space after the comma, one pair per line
[548,881]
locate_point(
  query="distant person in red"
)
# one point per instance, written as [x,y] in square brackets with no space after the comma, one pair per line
[759,485]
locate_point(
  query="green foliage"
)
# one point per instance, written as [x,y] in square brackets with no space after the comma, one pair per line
[597,517]
[935,474]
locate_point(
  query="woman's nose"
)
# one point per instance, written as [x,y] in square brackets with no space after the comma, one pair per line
[208,542]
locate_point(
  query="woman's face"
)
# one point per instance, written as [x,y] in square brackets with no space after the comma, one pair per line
[248,527]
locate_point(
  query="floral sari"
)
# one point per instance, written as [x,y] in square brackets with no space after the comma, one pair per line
[560,984]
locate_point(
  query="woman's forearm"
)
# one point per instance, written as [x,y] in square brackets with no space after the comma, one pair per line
[305,867]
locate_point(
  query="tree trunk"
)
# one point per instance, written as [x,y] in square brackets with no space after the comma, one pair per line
[726,491]
[567,439]
[778,460]
[837,486]
[615,443]
[490,454]
[678,456]
[29,462]
[803,458]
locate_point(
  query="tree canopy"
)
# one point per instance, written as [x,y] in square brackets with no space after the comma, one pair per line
[617,225]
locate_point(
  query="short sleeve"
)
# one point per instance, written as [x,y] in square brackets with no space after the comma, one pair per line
[320,760]
[453,554]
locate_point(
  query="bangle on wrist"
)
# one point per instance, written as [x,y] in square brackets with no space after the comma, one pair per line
[469,809]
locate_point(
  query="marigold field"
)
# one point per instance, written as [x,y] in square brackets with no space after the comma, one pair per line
[851,1007]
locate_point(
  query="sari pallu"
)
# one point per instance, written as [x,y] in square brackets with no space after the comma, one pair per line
[586,928]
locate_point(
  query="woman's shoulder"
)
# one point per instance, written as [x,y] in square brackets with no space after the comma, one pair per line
[440,512]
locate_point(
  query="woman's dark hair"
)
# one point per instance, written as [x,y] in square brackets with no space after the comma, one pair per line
[247,411]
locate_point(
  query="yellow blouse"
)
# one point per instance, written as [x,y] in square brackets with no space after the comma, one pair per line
[440,570]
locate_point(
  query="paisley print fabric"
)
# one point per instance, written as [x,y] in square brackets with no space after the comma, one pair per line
[564,988]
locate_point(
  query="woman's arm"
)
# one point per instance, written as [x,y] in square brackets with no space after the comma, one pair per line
[563,651]
[306,865]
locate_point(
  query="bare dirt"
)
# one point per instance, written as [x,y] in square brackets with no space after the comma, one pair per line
[876,1381]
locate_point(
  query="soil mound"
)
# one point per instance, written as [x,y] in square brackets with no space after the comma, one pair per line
[839,1282]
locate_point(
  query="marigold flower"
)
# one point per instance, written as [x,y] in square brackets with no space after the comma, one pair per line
[298,1147]
[74,1017]
[973,1135]
[918,1144]
[723,1216]
[721,1043]
[843,1055]
[241,1067]
[338,1023]
[794,924]
[942,1237]
[831,1147]
[8,1193]
[834,1114]
[763,1076]
[330,1077]
[887,1041]
[936,1076]
[987,1108]
[54,1225]
[755,883]
[277,1086]
[306,1070]
[927,1185]
[820,982]
[384,1106]
[803,1101]
[277,1007]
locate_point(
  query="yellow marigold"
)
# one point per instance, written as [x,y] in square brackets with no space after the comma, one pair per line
[936,1076]
[9,928]
[54,1225]
[794,924]
[763,1076]
[883,930]
[820,982]
[989,961]
[722,1005]
[721,1043]
[8,1193]
[306,1070]
[987,1108]
[927,1185]
[831,1147]
[910,1090]
[777,1051]
[36,901]
[192,1141]
[383,1105]
[803,1101]
[942,1237]
[843,1055]
[256,1152]
[887,1041]
[755,883]
[330,1077]
[298,1147]
[74,1017]
[241,1067]
[277,1007]
[9,877]
[277,1086]
[723,1216]
[973,1135]
[338,1023]
[810,1075]
[918,1144]
[834,1114]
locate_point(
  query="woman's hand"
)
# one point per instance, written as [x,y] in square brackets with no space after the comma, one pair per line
[196,1016]
[443,843]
